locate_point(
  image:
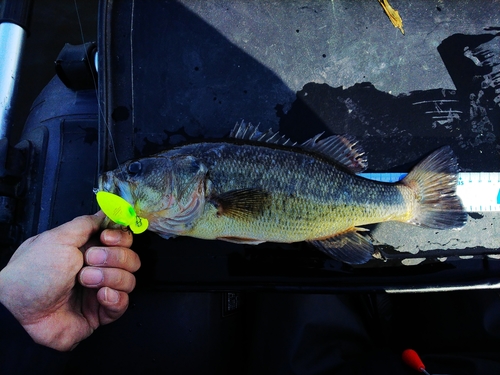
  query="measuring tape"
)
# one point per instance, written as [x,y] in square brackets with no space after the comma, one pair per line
[479,191]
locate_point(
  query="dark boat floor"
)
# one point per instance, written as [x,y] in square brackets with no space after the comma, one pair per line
[305,68]
[172,71]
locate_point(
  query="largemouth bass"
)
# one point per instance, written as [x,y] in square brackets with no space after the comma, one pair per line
[259,187]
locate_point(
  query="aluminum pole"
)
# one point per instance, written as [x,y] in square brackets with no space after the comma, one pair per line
[12,38]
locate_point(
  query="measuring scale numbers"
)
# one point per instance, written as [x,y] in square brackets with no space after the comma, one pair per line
[479,191]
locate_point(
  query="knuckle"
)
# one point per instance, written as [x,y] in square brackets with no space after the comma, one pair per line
[129,260]
[125,281]
[119,278]
[124,257]
[133,283]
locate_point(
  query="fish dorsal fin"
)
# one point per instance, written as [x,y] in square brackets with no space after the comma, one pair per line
[252,133]
[343,150]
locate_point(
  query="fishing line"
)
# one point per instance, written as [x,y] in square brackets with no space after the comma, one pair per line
[99,106]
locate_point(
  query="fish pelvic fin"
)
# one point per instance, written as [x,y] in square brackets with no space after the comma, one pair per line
[241,203]
[349,247]
[433,182]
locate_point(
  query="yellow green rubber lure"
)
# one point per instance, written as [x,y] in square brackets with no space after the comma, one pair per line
[121,212]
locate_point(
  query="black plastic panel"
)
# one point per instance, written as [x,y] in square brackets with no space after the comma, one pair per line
[172,72]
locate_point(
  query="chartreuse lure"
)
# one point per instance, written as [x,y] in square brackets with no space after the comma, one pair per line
[121,212]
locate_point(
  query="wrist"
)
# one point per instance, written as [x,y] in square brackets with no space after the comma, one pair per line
[4,292]
[11,295]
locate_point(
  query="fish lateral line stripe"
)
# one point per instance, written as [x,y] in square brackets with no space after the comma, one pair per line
[479,191]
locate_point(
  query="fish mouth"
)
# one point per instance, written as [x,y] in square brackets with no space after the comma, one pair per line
[105,182]
[109,183]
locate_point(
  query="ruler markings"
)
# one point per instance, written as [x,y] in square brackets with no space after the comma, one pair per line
[479,191]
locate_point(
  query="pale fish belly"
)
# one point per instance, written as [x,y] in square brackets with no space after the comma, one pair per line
[293,217]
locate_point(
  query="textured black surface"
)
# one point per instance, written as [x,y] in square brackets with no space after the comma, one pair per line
[196,69]
[202,74]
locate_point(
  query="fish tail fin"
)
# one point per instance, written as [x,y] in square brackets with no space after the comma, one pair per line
[433,182]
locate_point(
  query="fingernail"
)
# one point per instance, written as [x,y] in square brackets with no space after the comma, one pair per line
[96,257]
[111,295]
[112,237]
[91,276]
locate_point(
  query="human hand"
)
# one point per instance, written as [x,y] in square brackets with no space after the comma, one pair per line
[39,287]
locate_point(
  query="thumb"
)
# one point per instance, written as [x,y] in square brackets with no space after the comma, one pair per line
[78,231]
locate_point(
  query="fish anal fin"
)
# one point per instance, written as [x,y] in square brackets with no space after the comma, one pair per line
[241,203]
[348,247]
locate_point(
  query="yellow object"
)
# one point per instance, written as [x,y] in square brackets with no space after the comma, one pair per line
[121,212]
[393,15]
[251,192]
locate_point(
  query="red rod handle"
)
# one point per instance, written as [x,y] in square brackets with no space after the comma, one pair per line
[411,358]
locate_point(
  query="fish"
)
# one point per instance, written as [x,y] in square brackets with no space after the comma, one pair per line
[256,187]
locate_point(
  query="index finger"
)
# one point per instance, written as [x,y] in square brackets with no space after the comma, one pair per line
[116,237]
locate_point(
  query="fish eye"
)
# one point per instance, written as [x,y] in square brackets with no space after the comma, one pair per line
[134,168]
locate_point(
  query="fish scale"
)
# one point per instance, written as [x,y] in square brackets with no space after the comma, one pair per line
[261,187]
[307,203]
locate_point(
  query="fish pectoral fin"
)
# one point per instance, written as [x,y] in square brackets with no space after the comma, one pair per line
[349,247]
[241,203]
[240,240]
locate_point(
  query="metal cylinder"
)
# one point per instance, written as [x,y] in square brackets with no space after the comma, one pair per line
[12,39]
